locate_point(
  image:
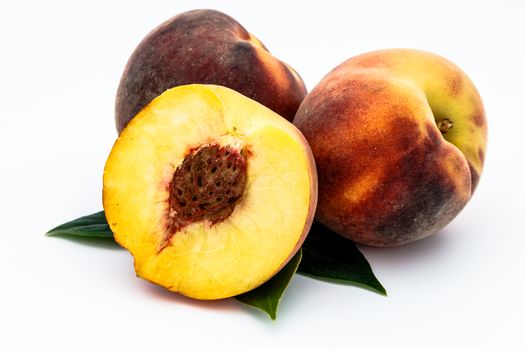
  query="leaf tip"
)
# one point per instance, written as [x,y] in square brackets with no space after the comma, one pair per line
[52,232]
[382,291]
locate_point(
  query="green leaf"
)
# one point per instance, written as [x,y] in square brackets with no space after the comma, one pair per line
[94,225]
[327,255]
[267,296]
[324,255]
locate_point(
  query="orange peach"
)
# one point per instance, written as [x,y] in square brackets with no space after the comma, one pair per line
[206,47]
[399,140]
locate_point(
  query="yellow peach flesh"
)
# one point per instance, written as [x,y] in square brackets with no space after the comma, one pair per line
[269,221]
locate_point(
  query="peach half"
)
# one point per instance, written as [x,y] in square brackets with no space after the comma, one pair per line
[399,141]
[211,192]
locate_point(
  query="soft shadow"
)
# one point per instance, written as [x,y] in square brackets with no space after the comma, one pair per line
[345,283]
[256,313]
[96,242]
[425,249]
[223,305]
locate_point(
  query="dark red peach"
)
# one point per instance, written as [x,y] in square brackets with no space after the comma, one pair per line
[206,47]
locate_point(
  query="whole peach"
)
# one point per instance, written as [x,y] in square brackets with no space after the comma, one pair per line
[206,47]
[399,140]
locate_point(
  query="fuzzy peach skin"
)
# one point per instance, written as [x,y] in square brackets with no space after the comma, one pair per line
[206,47]
[399,140]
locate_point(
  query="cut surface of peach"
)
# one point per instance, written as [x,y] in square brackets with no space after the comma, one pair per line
[211,192]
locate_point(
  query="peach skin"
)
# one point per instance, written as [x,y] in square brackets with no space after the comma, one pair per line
[206,47]
[399,140]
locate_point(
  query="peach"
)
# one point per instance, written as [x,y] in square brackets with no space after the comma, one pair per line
[206,47]
[399,140]
[211,192]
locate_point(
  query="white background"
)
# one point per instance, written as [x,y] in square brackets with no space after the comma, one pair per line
[60,63]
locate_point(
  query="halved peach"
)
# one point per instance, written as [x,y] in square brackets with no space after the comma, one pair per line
[211,192]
